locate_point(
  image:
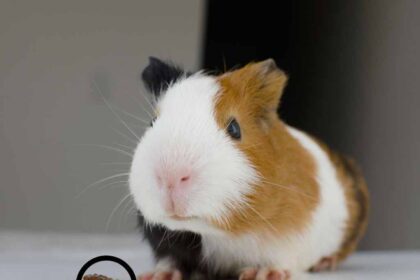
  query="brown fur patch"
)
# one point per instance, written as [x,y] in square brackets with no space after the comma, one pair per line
[357,198]
[288,192]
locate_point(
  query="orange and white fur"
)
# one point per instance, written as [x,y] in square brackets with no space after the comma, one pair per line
[272,203]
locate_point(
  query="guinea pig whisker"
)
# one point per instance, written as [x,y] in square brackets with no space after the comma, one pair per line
[137,118]
[115,163]
[263,218]
[109,148]
[124,212]
[162,239]
[289,188]
[125,146]
[102,181]
[142,107]
[147,100]
[132,211]
[150,104]
[117,183]
[190,245]
[119,170]
[110,107]
[171,239]
[125,136]
[108,222]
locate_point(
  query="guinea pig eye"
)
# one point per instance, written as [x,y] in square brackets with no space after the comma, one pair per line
[152,121]
[234,129]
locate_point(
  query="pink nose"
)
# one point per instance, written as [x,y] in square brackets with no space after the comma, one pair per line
[177,181]
[173,181]
[175,185]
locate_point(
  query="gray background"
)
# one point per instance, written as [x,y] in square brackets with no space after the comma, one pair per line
[387,121]
[53,56]
[58,59]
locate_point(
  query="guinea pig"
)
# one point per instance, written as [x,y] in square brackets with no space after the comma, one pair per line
[225,188]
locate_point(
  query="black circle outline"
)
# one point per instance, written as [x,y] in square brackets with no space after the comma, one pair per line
[106,258]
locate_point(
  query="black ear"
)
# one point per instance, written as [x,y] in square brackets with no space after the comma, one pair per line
[158,75]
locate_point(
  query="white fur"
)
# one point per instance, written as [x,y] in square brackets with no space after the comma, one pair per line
[165,264]
[298,251]
[326,232]
[186,133]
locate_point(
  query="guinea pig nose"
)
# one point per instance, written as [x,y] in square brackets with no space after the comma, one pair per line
[177,180]
[185,178]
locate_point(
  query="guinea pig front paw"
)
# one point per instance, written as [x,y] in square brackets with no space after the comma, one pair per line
[265,273]
[162,275]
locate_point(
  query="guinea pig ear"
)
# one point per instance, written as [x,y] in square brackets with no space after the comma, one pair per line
[158,75]
[269,81]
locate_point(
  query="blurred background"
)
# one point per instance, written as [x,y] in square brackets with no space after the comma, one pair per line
[354,71]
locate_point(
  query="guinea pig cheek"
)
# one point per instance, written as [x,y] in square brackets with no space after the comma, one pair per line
[142,183]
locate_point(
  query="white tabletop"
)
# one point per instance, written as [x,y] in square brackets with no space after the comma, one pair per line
[56,256]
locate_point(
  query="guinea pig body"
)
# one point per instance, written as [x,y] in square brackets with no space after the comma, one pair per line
[225,188]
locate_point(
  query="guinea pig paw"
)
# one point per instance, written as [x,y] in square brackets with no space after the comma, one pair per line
[161,275]
[265,273]
[326,263]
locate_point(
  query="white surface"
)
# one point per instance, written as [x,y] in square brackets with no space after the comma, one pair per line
[51,256]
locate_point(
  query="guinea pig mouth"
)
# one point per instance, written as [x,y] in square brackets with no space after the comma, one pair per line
[181,218]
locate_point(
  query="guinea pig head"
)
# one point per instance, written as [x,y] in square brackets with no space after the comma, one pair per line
[199,161]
